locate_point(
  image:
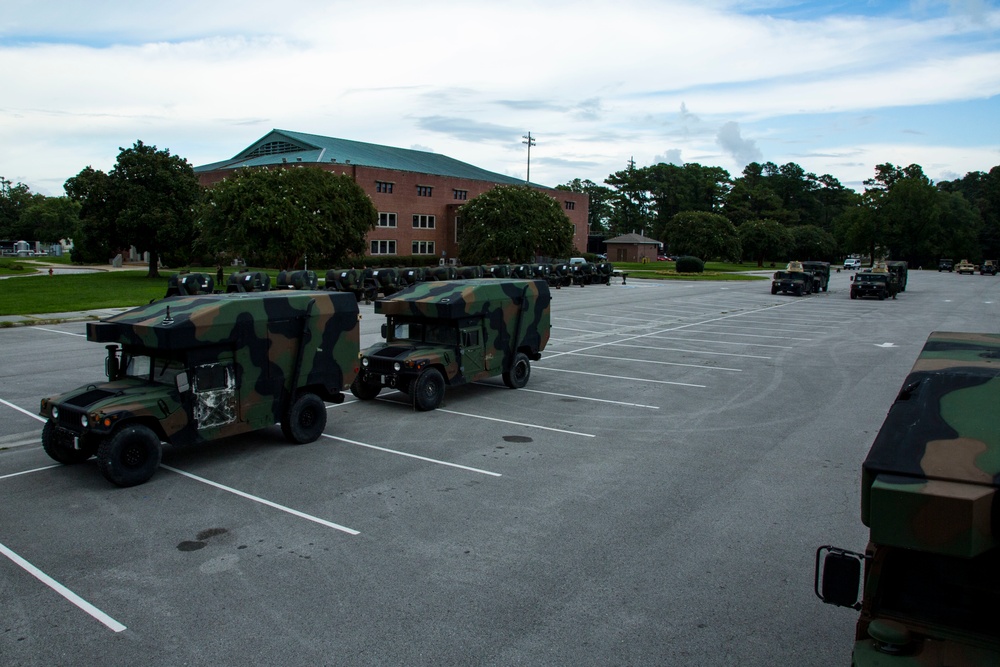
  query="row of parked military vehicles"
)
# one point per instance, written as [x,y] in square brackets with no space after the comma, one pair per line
[884,280]
[192,368]
[987,268]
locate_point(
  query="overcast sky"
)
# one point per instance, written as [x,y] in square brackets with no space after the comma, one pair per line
[836,87]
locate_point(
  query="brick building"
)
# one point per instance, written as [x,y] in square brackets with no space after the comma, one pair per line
[417,193]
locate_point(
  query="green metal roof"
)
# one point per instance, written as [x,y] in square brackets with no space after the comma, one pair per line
[283,146]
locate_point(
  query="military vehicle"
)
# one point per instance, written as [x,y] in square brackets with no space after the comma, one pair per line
[899,271]
[248,281]
[796,282]
[185,284]
[821,274]
[453,333]
[302,279]
[872,284]
[197,368]
[965,266]
[928,584]
[946,265]
[988,267]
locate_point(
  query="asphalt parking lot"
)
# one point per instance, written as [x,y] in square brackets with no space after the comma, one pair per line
[655,495]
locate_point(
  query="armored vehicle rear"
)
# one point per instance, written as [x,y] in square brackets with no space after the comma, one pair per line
[795,282]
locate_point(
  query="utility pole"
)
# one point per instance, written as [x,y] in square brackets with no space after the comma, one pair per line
[530,141]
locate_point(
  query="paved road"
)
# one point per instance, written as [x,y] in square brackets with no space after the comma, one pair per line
[655,495]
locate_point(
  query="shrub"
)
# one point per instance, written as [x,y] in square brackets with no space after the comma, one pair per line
[689,265]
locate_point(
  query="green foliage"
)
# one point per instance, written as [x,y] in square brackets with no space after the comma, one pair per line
[812,243]
[15,198]
[276,217]
[147,200]
[52,219]
[513,223]
[600,203]
[703,234]
[689,264]
[761,239]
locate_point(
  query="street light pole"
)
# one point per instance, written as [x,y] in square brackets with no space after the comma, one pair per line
[530,141]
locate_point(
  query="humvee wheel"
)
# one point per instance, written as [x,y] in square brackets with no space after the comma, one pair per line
[60,447]
[881,296]
[428,390]
[798,290]
[130,456]
[853,295]
[519,372]
[305,420]
[774,290]
[364,391]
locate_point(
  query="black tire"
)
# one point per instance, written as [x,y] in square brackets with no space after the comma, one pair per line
[519,372]
[365,391]
[130,456]
[774,290]
[854,294]
[798,290]
[428,390]
[881,296]
[60,446]
[305,419]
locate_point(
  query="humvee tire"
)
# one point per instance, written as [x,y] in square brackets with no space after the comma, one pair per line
[364,391]
[519,372]
[60,447]
[428,390]
[305,420]
[130,456]
[774,289]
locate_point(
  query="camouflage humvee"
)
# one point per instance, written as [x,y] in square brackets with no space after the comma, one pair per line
[197,368]
[872,283]
[928,584]
[453,333]
[821,274]
[965,266]
[988,267]
[796,282]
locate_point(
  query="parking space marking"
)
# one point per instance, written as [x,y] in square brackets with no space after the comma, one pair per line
[576,397]
[413,456]
[28,472]
[663,363]
[619,377]
[72,597]
[263,501]
[20,409]
[754,325]
[508,421]
[723,342]
[64,333]
[730,333]
[679,349]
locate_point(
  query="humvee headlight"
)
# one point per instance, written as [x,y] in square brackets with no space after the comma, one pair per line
[397,366]
[84,422]
[364,361]
[55,412]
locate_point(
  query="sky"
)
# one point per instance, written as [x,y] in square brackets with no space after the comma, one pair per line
[835,87]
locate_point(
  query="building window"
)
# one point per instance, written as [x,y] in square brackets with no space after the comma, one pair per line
[422,248]
[423,221]
[386,219]
[461,194]
[383,186]
[570,205]
[383,247]
[424,191]
[273,148]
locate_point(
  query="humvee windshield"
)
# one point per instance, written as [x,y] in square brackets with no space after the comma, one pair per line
[144,367]
[870,278]
[441,333]
[961,593]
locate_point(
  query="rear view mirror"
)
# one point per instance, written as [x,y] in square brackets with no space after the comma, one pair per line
[838,577]
[182,382]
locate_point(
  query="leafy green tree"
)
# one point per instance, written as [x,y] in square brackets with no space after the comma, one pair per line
[599,207]
[765,239]
[276,217]
[982,191]
[753,198]
[704,235]
[15,198]
[631,210]
[809,242]
[514,223]
[677,189]
[96,239]
[148,201]
[855,230]
[52,219]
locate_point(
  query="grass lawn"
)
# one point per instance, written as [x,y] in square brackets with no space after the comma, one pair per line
[713,271]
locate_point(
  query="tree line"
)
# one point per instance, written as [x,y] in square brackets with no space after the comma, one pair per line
[152,200]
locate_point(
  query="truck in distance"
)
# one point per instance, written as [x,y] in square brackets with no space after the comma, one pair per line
[452,333]
[190,369]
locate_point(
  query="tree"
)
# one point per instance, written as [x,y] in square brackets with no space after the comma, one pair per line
[599,208]
[679,189]
[52,219]
[809,242]
[704,235]
[513,223]
[96,239]
[630,205]
[763,239]
[15,198]
[147,201]
[752,198]
[275,217]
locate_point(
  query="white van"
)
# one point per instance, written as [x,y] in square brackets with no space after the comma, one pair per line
[852,264]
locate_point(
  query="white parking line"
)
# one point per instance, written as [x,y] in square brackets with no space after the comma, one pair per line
[96,613]
[19,409]
[507,421]
[619,377]
[576,397]
[650,361]
[26,472]
[262,501]
[413,456]
[679,349]
[64,333]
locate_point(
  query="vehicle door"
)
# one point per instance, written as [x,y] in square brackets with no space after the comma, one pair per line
[471,341]
[216,398]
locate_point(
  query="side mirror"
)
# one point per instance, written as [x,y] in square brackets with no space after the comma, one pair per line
[181,380]
[852,278]
[385,332]
[838,577]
